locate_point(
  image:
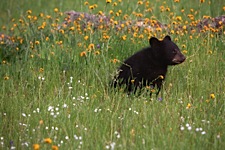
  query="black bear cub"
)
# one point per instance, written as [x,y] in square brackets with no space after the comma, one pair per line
[148,67]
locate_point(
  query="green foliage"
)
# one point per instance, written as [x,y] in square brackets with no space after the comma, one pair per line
[55,81]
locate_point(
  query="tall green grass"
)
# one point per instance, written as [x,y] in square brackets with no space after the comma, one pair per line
[49,91]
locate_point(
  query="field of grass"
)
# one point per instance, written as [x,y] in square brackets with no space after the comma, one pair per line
[55,91]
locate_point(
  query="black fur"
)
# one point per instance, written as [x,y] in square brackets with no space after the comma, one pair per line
[148,67]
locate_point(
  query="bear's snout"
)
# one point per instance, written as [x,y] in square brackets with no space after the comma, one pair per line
[179,58]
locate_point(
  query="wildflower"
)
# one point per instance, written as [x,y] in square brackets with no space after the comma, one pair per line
[202,1]
[41,14]
[139,2]
[115,22]
[37,42]
[223,8]
[188,106]
[117,14]
[36,146]
[47,39]
[185,51]
[159,29]
[115,60]
[132,81]
[54,147]
[152,90]
[108,1]
[86,38]
[115,4]
[48,140]
[82,54]
[79,44]
[29,12]
[4,62]
[212,96]
[167,9]
[178,18]
[161,77]
[181,128]
[86,3]
[176,1]
[203,132]
[132,132]
[97,52]
[207,101]
[56,10]
[91,7]
[29,16]
[124,37]
[41,70]
[6,78]
[210,52]
[41,122]
[172,31]
[61,31]
[91,46]
[160,99]
[48,17]
[184,27]
[111,12]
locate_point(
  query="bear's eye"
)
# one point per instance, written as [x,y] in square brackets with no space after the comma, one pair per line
[174,51]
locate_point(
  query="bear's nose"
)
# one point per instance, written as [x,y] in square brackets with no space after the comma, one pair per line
[183,58]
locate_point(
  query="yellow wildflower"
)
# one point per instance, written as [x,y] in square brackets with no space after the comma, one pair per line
[56,10]
[36,146]
[86,3]
[161,77]
[91,7]
[97,52]
[6,78]
[114,4]
[86,38]
[185,51]
[124,37]
[91,46]
[48,140]
[41,122]
[115,60]
[61,31]
[54,147]
[82,54]
[139,2]
[210,51]
[29,11]
[108,1]
[178,18]
[212,96]
[41,70]
[37,42]
[47,38]
[188,106]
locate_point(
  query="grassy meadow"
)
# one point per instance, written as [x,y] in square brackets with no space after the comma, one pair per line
[54,82]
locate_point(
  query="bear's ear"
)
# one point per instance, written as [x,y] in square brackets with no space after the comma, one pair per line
[167,38]
[153,41]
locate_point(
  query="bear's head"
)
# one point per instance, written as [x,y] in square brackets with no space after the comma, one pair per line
[166,51]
